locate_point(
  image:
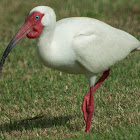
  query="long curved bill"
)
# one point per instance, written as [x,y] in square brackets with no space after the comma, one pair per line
[24,30]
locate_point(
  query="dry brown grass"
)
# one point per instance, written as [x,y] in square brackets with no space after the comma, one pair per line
[27,88]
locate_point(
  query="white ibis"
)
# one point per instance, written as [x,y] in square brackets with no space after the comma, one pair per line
[78,45]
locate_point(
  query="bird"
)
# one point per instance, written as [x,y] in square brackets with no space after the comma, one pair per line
[75,45]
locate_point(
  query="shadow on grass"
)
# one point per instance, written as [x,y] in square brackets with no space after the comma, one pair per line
[36,122]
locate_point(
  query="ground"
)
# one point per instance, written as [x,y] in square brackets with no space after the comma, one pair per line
[37,102]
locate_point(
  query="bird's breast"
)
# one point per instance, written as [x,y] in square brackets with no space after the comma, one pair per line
[60,57]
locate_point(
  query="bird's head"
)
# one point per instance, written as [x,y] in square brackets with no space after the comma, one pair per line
[35,21]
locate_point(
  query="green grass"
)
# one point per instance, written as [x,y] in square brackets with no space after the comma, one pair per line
[28,89]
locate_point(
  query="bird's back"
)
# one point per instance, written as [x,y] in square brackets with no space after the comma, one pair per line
[83,45]
[97,45]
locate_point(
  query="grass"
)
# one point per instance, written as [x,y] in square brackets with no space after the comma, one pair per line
[29,89]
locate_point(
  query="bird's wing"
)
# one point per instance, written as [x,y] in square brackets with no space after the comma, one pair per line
[97,49]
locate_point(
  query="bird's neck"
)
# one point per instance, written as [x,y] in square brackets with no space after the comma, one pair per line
[48,30]
[44,43]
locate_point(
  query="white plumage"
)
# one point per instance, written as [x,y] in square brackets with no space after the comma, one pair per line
[81,45]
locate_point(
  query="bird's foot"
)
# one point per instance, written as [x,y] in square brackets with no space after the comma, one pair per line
[88,110]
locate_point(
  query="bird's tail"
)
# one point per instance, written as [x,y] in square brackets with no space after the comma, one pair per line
[138,49]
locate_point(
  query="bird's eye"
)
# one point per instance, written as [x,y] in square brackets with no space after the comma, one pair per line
[37,17]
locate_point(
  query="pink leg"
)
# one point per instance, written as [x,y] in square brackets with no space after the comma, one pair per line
[88,100]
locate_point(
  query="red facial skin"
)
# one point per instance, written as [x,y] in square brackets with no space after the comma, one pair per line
[36,26]
[32,28]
